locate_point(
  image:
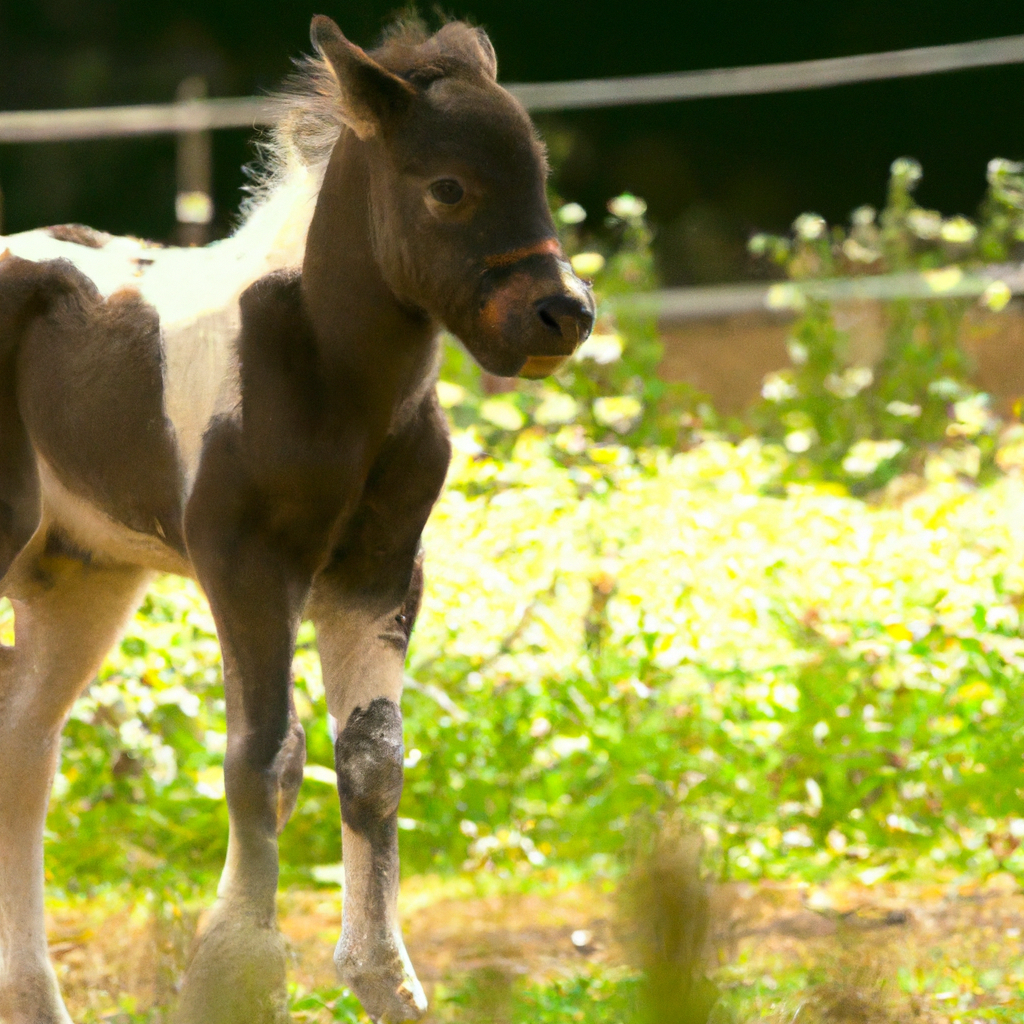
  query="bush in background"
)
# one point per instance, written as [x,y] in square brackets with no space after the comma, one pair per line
[862,426]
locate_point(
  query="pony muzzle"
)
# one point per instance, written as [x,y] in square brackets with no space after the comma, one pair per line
[537,367]
[536,312]
[567,321]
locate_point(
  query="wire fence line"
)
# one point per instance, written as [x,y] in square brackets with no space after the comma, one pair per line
[770,78]
[190,117]
[140,119]
[678,305]
[253,111]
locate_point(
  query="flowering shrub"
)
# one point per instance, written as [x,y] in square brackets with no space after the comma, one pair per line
[862,425]
[905,236]
[843,421]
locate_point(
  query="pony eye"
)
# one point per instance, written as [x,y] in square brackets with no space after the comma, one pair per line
[447,191]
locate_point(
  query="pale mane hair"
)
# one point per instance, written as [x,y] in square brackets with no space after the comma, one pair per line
[307,115]
[308,119]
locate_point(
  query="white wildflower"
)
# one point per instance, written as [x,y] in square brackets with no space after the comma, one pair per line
[572,213]
[865,457]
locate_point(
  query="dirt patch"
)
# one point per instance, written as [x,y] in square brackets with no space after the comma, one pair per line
[518,934]
[886,952]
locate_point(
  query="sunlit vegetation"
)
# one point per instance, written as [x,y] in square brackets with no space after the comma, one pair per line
[814,680]
[863,421]
[638,622]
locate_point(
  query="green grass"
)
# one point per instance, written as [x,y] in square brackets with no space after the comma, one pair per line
[816,684]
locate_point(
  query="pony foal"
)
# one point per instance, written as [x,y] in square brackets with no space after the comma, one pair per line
[260,415]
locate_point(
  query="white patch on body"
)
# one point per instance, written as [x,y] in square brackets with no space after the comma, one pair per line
[196,294]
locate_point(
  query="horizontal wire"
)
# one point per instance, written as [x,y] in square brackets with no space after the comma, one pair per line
[253,111]
[682,304]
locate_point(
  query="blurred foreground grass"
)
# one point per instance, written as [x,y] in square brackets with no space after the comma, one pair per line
[943,952]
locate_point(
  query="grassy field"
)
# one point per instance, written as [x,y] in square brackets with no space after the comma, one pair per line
[825,691]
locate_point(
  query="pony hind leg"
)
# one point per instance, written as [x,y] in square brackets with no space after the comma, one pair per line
[66,618]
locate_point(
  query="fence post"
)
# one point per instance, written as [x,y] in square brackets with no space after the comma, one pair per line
[193,203]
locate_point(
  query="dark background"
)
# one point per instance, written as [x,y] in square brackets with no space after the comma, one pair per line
[712,170]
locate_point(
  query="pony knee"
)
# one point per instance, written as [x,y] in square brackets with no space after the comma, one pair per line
[368,757]
[263,773]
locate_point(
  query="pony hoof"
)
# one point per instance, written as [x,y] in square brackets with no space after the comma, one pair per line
[388,988]
[236,976]
[32,999]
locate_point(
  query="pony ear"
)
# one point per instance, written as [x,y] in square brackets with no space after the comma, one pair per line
[488,58]
[371,96]
[470,45]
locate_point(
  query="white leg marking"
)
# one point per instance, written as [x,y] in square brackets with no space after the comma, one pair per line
[359,667]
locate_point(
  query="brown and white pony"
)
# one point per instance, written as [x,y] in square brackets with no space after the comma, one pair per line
[260,415]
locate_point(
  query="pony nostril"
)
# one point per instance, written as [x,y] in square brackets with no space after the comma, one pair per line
[566,316]
[549,321]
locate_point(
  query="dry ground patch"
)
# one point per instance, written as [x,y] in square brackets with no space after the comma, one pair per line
[846,953]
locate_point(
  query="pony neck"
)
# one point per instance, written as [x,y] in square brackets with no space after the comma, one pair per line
[359,323]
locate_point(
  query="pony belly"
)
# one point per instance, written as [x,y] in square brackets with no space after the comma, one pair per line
[90,396]
[102,538]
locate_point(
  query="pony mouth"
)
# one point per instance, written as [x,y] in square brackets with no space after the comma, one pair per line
[536,367]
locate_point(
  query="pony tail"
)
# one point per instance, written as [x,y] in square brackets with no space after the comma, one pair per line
[25,288]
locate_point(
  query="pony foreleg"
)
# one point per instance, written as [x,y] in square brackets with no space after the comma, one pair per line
[236,974]
[371,956]
[362,656]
